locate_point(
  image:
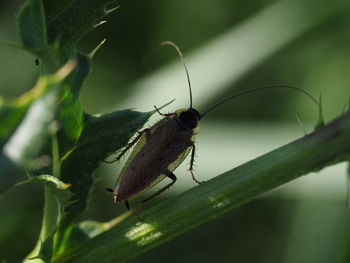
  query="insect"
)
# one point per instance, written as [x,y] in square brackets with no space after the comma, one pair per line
[159,150]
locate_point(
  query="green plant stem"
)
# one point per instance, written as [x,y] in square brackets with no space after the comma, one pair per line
[327,145]
[48,227]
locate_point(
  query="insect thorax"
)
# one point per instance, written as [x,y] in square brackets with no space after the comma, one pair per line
[188,118]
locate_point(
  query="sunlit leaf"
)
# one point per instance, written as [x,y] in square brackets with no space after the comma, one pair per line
[24,140]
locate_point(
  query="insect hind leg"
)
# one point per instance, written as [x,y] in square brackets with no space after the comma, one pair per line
[126,202]
[168,174]
[191,165]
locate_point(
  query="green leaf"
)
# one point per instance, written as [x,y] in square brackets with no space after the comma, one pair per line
[68,21]
[46,31]
[61,24]
[100,137]
[32,26]
[71,115]
[325,146]
[58,25]
[51,30]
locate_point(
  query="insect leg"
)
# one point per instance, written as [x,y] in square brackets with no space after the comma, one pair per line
[172,177]
[163,114]
[128,146]
[127,205]
[191,165]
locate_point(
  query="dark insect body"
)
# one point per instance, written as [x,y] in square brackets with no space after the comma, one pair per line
[159,150]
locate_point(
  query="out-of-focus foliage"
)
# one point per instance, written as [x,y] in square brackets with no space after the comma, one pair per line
[52,112]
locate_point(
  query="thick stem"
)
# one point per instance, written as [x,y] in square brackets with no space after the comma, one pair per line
[325,146]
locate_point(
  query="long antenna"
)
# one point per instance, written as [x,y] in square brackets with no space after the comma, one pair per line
[259,89]
[183,62]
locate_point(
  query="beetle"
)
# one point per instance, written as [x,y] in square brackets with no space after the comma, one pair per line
[160,149]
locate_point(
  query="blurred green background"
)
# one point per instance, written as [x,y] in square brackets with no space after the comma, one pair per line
[229,46]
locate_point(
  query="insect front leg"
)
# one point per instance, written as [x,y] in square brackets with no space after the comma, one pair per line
[163,114]
[168,174]
[191,165]
[128,146]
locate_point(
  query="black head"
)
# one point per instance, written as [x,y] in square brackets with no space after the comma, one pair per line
[190,118]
